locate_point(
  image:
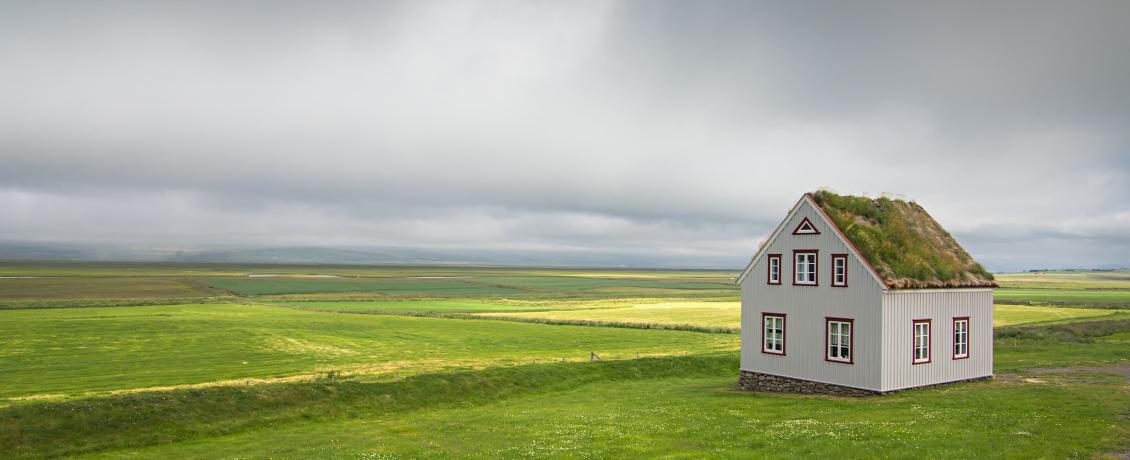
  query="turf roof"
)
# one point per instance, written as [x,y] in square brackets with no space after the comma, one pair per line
[907,247]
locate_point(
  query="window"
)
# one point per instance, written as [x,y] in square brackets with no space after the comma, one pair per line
[839,270]
[838,339]
[773,333]
[804,267]
[774,269]
[961,337]
[921,341]
[805,228]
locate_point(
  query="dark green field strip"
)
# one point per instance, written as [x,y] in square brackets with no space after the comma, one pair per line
[481,286]
[70,351]
[63,288]
[576,283]
[392,286]
[408,306]
[1108,298]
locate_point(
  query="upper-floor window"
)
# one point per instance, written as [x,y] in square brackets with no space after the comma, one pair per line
[961,337]
[921,341]
[774,269]
[804,267]
[773,333]
[838,331]
[839,270]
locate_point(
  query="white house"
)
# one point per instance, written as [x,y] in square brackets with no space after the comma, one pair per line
[853,295]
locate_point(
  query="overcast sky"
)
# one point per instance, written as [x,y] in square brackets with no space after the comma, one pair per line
[686,129]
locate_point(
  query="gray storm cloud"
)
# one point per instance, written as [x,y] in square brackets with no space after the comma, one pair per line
[677,128]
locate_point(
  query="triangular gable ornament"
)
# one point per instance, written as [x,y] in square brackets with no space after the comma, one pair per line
[806,228]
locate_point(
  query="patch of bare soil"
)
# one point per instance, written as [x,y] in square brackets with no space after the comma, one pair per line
[1118,369]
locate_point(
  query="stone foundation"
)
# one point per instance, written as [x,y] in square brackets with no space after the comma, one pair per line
[756,381]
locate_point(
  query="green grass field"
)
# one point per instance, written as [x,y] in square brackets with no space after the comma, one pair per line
[1011,315]
[1102,289]
[203,361]
[72,351]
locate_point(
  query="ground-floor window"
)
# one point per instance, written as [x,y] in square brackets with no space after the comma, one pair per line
[961,337]
[921,341]
[773,333]
[838,336]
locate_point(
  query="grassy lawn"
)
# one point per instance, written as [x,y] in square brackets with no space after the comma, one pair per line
[706,417]
[70,351]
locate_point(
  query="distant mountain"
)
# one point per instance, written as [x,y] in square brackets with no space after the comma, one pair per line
[355,256]
[36,251]
[299,255]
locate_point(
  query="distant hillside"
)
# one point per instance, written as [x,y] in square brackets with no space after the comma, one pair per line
[354,256]
[300,255]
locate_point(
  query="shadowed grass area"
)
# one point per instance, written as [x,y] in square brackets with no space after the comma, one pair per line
[1090,343]
[67,428]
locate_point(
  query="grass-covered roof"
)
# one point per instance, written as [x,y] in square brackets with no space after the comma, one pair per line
[906,246]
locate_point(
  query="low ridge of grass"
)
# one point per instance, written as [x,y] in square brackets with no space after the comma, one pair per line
[136,420]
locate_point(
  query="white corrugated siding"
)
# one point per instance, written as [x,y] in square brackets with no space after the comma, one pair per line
[900,308]
[807,306]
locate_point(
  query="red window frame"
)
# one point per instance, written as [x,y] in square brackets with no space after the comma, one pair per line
[769,269]
[784,332]
[929,340]
[815,266]
[851,339]
[968,335]
[844,258]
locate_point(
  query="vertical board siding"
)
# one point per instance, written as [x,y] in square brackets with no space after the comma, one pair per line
[901,308]
[807,306]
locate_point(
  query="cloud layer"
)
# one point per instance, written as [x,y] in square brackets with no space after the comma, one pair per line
[626,127]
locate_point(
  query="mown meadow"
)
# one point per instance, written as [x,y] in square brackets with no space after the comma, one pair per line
[208,360]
